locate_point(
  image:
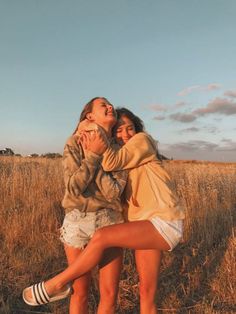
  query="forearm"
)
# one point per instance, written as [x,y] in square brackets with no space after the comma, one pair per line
[136,152]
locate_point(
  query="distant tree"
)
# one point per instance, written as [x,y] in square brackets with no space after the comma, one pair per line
[7,152]
[51,155]
[33,155]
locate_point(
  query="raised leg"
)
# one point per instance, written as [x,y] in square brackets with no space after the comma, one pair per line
[134,235]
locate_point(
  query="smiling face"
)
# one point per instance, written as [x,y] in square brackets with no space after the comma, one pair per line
[125,130]
[103,113]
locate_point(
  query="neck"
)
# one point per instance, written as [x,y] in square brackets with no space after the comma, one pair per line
[107,129]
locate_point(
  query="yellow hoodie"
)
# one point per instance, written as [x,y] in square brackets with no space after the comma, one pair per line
[149,191]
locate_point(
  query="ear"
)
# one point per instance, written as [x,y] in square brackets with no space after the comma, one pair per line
[89,116]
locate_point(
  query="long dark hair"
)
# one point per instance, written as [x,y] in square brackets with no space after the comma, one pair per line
[138,123]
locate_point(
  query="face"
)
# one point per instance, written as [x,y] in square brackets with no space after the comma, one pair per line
[124,130]
[103,113]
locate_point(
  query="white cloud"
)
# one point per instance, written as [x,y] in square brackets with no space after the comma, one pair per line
[230,93]
[211,129]
[183,117]
[194,145]
[218,105]
[189,130]
[212,86]
[180,104]
[200,150]
[188,90]
[228,145]
[159,107]
[159,118]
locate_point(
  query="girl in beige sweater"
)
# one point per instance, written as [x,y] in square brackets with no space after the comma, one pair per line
[91,201]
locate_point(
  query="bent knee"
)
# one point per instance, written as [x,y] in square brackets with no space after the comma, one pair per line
[79,291]
[108,294]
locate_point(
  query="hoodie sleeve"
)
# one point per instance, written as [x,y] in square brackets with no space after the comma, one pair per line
[139,150]
[111,184]
[79,169]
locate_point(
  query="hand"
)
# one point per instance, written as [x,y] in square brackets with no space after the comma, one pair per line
[94,142]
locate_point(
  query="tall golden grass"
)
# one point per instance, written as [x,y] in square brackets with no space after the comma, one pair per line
[199,276]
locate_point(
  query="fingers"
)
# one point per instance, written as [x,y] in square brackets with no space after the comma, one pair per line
[93,141]
[84,140]
[95,136]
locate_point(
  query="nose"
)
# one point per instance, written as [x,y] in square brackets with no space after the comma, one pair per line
[125,133]
[110,107]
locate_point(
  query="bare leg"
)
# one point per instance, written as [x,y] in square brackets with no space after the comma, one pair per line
[134,235]
[148,266]
[109,275]
[79,297]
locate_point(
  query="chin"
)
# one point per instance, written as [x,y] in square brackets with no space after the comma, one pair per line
[112,118]
[126,140]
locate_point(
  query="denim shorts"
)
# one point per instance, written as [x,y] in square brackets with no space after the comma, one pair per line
[171,231]
[78,227]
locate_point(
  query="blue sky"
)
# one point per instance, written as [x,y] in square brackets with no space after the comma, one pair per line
[171,62]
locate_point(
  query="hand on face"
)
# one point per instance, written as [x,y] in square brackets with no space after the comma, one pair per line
[93,141]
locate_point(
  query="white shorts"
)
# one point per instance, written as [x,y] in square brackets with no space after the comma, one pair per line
[171,231]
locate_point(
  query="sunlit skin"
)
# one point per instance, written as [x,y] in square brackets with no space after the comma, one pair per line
[124,131]
[148,276]
[126,235]
[103,114]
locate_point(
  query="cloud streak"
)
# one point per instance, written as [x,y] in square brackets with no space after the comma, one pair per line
[218,105]
[228,145]
[159,107]
[230,93]
[159,118]
[194,145]
[200,150]
[221,106]
[183,117]
[180,104]
[190,130]
[200,145]
[207,88]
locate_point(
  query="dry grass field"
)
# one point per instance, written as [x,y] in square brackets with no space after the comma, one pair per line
[199,276]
